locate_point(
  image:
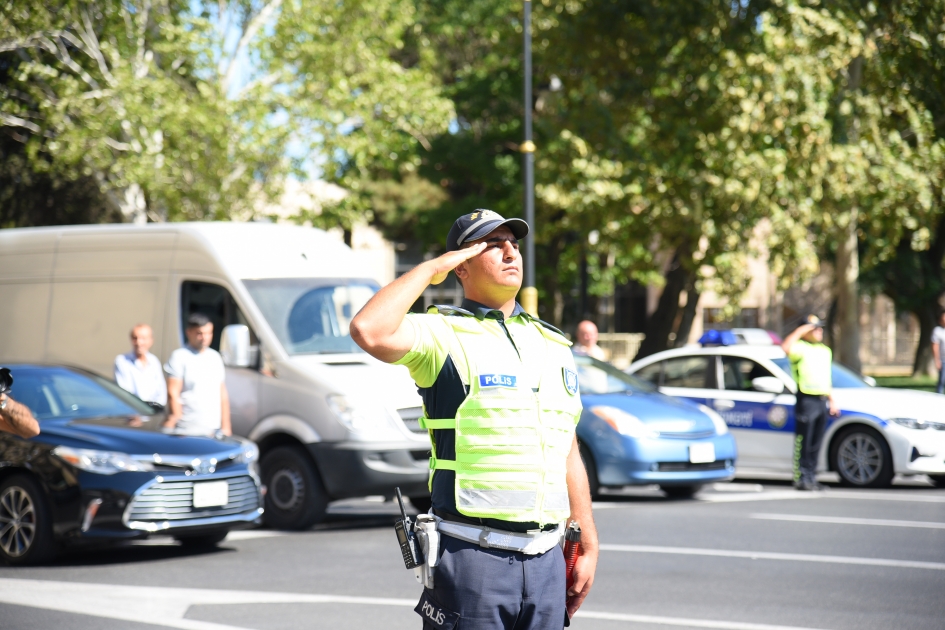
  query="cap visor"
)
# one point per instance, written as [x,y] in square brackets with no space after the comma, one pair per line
[518,227]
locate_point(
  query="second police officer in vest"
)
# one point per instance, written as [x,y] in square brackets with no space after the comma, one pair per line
[811,363]
[501,400]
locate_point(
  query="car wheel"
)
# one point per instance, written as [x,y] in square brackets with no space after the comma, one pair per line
[680,492]
[423,504]
[26,535]
[862,458]
[203,540]
[938,480]
[591,467]
[295,497]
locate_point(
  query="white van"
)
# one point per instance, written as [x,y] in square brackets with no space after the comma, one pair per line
[331,422]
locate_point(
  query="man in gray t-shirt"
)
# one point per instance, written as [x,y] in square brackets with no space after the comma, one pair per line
[938,351]
[196,387]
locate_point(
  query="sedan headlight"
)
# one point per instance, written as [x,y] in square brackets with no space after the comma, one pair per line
[349,414]
[720,427]
[101,462]
[912,423]
[249,453]
[623,422]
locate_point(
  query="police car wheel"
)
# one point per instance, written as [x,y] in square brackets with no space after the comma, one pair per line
[295,497]
[591,467]
[26,535]
[680,492]
[862,458]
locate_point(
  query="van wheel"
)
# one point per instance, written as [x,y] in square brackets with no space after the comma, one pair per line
[295,496]
[26,535]
[591,467]
[203,540]
[862,458]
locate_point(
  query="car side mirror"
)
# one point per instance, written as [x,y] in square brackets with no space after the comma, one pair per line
[235,347]
[767,384]
[869,380]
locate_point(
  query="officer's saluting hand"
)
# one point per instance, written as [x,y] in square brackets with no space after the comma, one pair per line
[501,403]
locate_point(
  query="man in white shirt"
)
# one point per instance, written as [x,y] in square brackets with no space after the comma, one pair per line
[139,371]
[586,341]
[196,387]
[938,351]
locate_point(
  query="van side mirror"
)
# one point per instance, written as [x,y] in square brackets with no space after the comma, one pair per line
[767,384]
[235,347]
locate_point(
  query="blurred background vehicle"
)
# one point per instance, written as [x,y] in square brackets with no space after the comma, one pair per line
[330,421]
[102,469]
[880,432]
[630,434]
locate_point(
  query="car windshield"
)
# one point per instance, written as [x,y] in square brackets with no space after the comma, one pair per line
[842,377]
[311,315]
[57,392]
[597,377]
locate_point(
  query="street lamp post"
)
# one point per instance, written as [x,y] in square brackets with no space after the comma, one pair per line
[529,294]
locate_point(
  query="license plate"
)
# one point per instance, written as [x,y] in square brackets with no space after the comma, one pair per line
[211,494]
[701,453]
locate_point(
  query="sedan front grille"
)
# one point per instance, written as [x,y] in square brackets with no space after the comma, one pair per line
[174,501]
[411,418]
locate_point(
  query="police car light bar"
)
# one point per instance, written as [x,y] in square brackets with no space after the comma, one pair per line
[718,338]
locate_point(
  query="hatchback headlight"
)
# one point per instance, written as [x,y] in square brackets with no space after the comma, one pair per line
[101,462]
[623,422]
[720,427]
[912,423]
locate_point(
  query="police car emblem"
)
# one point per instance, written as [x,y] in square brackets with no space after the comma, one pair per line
[777,416]
[570,380]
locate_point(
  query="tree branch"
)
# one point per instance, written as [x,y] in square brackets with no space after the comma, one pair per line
[15,121]
[95,49]
[248,33]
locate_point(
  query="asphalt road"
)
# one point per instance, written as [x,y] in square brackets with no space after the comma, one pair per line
[744,556]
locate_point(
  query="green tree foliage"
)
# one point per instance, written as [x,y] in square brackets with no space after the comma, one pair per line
[186,110]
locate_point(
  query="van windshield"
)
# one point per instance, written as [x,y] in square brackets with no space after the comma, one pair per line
[311,315]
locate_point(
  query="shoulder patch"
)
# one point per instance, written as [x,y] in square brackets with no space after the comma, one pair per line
[446,309]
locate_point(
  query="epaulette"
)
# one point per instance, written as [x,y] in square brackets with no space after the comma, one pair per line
[548,326]
[447,309]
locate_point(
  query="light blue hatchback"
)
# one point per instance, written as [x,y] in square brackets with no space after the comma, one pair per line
[630,434]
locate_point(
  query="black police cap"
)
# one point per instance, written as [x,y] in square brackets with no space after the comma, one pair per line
[478,224]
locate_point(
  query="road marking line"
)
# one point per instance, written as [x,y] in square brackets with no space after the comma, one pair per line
[867,495]
[773,495]
[842,520]
[768,555]
[679,621]
[168,606]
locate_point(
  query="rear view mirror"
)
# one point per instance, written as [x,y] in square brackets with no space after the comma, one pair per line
[767,384]
[235,347]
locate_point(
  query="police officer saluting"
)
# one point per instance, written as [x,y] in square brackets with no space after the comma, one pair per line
[811,363]
[501,402]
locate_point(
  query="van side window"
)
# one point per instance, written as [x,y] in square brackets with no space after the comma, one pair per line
[216,303]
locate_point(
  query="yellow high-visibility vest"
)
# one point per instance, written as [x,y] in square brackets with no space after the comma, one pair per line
[512,443]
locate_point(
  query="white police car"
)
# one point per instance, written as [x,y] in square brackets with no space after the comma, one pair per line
[879,433]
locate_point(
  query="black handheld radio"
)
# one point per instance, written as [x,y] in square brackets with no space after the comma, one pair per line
[409,547]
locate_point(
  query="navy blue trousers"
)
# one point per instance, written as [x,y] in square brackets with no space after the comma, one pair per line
[492,589]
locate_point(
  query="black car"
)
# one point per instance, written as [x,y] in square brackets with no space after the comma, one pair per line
[103,468]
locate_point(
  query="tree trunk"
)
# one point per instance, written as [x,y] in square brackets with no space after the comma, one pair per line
[688,316]
[660,324]
[848,316]
[924,363]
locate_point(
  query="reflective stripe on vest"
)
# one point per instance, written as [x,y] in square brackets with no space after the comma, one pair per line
[512,443]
